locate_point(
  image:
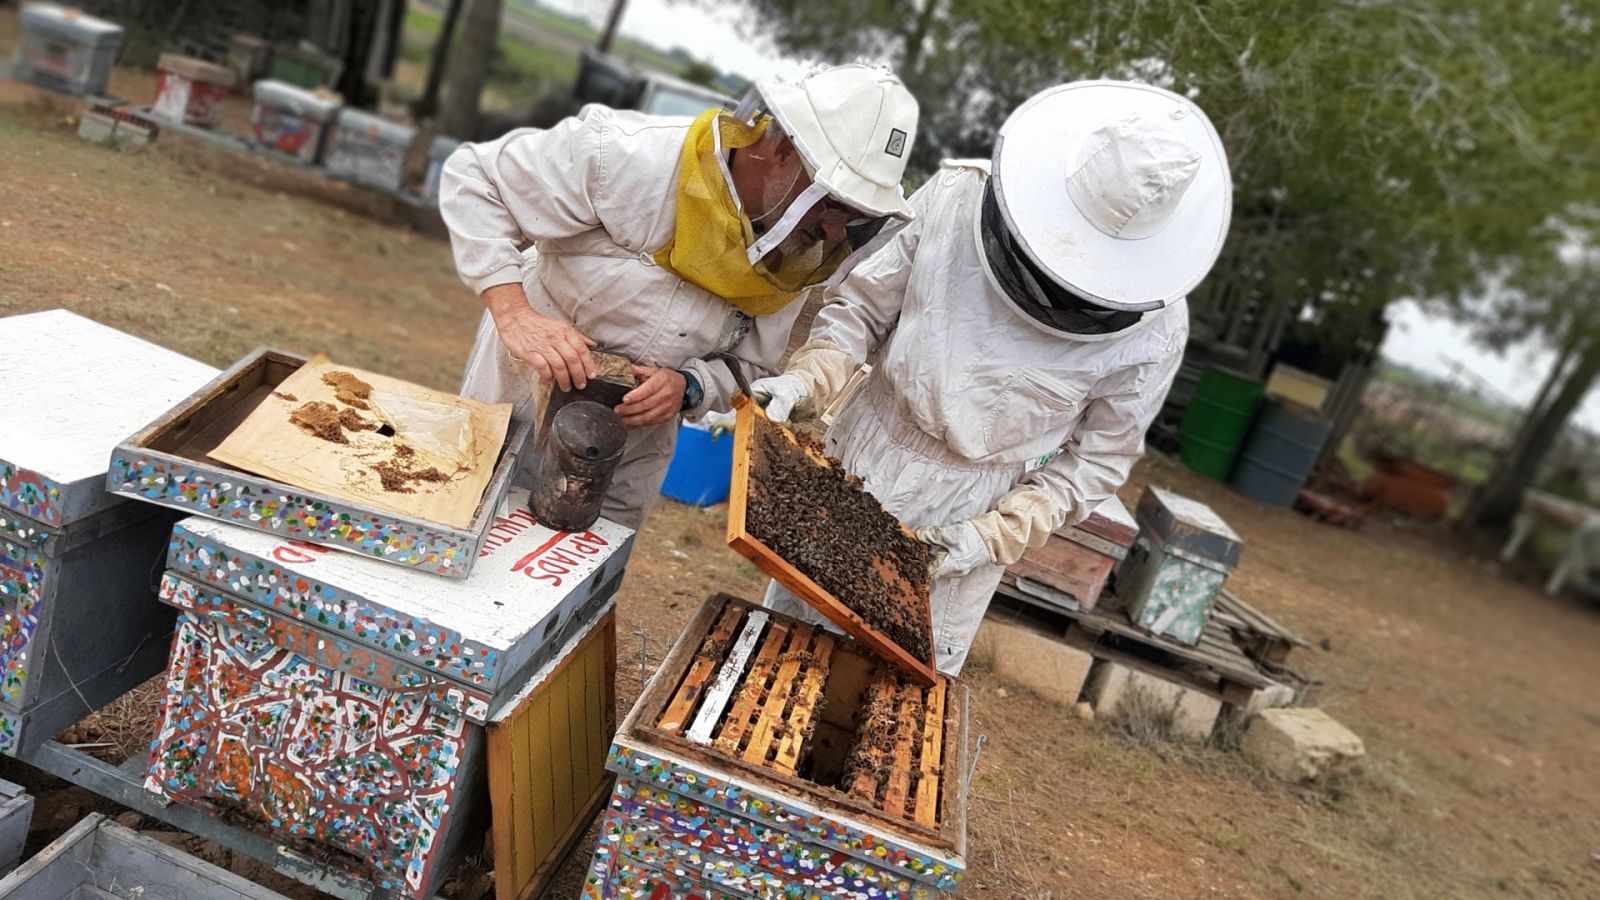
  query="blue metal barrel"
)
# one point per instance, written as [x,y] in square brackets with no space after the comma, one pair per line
[1278,455]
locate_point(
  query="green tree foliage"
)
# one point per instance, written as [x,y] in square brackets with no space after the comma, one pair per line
[1379,149]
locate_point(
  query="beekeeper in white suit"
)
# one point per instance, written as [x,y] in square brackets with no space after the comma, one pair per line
[1029,323]
[670,240]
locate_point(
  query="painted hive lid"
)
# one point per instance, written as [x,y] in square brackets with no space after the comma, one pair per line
[481,630]
[318,106]
[1189,526]
[375,128]
[73,389]
[70,24]
[196,69]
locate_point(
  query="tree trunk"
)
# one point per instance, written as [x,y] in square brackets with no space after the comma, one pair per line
[1498,499]
[469,66]
[911,56]
[613,19]
[428,103]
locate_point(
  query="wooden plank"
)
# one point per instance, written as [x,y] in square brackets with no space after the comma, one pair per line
[908,719]
[777,702]
[579,763]
[728,677]
[524,793]
[804,707]
[754,688]
[746,545]
[503,828]
[705,663]
[928,763]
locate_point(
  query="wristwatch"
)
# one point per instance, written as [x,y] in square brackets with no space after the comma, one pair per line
[693,393]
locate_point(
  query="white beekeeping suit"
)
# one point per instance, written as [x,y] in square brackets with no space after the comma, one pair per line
[590,218]
[1030,321]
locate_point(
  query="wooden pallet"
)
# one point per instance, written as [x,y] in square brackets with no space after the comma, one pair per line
[752,692]
[1217,666]
[747,545]
[1261,638]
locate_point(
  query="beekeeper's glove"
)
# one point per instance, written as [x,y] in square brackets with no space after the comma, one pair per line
[780,394]
[958,548]
[1023,518]
[815,375]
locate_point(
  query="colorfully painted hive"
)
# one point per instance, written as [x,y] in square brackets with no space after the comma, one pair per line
[166,462]
[338,704]
[80,619]
[769,757]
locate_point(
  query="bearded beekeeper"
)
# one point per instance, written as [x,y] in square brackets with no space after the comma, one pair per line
[1028,322]
[670,241]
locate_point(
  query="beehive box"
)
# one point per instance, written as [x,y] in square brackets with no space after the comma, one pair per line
[338,704]
[115,127]
[81,623]
[291,120]
[97,859]
[1178,565]
[64,50]
[771,757]
[166,462]
[547,761]
[438,151]
[191,91]
[369,149]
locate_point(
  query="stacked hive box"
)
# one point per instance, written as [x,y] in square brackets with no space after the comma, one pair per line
[64,50]
[369,150]
[1073,566]
[291,120]
[81,622]
[191,91]
[768,757]
[1178,565]
[339,703]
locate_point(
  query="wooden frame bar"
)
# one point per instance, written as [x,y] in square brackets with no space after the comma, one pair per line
[751,548]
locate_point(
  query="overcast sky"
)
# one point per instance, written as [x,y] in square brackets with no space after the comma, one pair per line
[707,35]
[1416,339]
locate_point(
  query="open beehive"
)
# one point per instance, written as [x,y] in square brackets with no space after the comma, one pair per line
[801,519]
[793,706]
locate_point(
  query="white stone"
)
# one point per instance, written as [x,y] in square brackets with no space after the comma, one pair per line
[1114,686]
[1300,744]
[1031,658]
[1273,696]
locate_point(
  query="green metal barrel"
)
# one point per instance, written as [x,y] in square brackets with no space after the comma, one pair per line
[1218,418]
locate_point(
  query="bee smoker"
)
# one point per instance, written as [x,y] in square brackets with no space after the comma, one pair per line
[577,455]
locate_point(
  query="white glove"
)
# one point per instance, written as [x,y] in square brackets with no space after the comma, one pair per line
[958,548]
[780,394]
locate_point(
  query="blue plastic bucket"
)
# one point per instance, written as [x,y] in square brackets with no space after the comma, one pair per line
[702,466]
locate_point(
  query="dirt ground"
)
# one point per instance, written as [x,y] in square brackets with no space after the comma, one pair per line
[1476,696]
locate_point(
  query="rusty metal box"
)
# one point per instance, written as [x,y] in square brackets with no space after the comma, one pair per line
[338,704]
[81,623]
[166,463]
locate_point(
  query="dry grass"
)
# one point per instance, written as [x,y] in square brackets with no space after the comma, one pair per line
[122,729]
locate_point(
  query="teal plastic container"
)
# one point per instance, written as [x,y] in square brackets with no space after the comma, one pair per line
[1218,418]
[702,466]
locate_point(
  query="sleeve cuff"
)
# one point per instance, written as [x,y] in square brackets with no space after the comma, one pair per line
[510,273]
